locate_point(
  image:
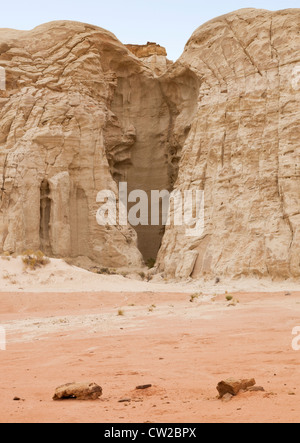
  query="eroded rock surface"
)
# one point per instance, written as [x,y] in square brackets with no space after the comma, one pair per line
[80,113]
[52,153]
[243,149]
[152,54]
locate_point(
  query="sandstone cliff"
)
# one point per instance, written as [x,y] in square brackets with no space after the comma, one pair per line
[243,149]
[82,112]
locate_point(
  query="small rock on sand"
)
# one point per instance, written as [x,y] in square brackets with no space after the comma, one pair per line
[78,391]
[256,389]
[233,386]
[141,387]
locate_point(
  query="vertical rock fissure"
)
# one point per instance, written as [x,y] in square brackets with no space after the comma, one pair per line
[45,214]
[143,142]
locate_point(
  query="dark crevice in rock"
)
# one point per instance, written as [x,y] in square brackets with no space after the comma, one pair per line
[143,140]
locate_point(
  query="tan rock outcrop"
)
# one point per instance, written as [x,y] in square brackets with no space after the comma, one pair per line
[80,113]
[148,50]
[233,386]
[243,149]
[52,155]
[152,54]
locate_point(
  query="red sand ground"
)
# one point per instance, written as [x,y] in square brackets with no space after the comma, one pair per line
[183,349]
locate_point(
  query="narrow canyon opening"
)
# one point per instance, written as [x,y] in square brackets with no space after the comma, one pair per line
[150,121]
[136,144]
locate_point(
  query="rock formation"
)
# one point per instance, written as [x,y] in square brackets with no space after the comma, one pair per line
[243,149]
[233,386]
[152,54]
[82,112]
[52,155]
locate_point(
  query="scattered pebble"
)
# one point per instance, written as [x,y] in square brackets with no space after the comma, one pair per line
[141,387]
[256,389]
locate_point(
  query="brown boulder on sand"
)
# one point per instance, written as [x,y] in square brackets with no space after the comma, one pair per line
[233,386]
[78,391]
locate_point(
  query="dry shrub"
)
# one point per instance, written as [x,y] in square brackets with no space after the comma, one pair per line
[35,259]
[5,256]
[151,263]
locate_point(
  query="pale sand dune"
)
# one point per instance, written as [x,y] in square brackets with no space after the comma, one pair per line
[58,276]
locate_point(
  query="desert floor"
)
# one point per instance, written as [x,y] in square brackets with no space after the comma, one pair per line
[182,348]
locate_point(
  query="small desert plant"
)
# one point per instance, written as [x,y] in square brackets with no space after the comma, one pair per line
[105,271]
[151,308]
[194,297]
[142,275]
[121,313]
[35,259]
[5,256]
[151,263]
[231,299]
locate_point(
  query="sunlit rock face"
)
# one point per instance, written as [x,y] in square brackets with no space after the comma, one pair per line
[61,79]
[79,114]
[243,149]
[153,55]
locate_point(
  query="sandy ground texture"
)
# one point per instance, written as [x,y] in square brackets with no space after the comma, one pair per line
[182,348]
